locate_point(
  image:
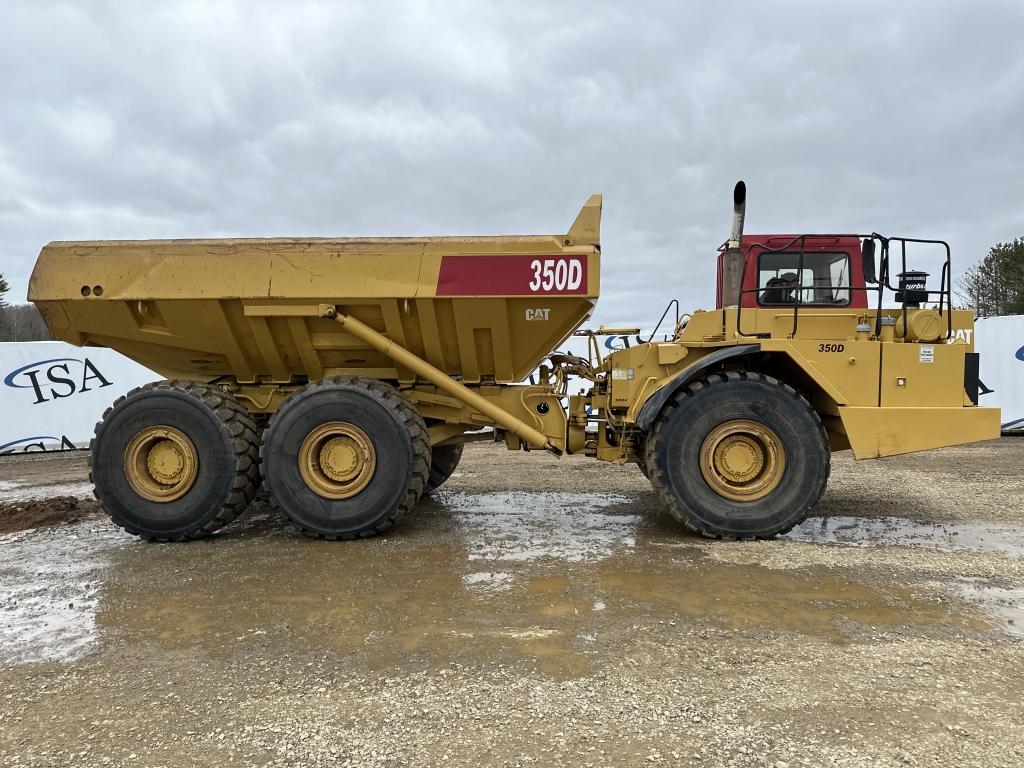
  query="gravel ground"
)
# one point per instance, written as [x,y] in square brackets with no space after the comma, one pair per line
[534,612]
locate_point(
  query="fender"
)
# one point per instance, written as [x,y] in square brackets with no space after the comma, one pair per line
[655,402]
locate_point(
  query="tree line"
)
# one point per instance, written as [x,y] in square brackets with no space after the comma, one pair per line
[20,322]
[995,285]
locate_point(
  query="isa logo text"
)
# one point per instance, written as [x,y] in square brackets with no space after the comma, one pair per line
[57,378]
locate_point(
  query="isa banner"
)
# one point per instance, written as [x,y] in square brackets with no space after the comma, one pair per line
[52,394]
[1000,340]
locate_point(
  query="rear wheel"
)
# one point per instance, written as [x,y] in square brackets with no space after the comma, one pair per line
[345,456]
[175,460]
[443,461]
[739,456]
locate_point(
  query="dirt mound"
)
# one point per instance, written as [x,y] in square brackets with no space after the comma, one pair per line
[35,513]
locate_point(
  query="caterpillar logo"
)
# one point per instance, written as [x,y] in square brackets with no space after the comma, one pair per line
[538,314]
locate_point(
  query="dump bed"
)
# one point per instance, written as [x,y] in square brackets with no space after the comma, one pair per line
[475,307]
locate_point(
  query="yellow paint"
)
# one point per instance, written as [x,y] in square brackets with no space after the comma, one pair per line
[262,316]
[875,432]
[160,463]
[337,460]
[248,309]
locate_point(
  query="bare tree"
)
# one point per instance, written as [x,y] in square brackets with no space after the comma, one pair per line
[22,322]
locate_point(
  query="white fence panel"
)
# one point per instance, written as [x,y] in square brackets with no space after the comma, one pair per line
[52,394]
[1000,340]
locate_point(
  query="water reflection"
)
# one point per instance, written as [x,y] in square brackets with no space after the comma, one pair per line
[544,579]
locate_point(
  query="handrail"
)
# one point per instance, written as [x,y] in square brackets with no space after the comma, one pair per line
[944,290]
[660,321]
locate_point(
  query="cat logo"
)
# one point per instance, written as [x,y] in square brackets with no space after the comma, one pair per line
[538,314]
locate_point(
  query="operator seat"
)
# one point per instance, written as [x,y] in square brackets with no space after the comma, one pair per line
[779,290]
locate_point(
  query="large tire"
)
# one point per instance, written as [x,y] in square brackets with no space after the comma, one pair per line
[223,464]
[443,461]
[385,464]
[738,456]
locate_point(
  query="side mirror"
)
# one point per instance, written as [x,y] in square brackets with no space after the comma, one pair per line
[867,259]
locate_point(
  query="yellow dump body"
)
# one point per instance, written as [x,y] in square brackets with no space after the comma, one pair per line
[481,308]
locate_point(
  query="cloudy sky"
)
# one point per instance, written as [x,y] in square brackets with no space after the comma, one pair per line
[135,120]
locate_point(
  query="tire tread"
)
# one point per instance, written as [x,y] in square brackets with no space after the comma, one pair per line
[393,399]
[659,481]
[443,463]
[245,443]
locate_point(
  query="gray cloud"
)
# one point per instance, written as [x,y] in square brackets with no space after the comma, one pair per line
[249,118]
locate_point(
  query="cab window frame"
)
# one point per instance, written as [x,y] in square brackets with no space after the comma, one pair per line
[826,260]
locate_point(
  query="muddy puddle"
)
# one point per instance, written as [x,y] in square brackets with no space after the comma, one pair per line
[896,531]
[14,491]
[1004,604]
[548,580]
[49,591]
[524,526]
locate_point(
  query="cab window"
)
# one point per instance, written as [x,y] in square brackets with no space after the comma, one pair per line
[824,280]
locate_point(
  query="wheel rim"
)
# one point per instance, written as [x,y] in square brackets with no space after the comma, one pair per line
[161,463]
[337,460]
[742,460]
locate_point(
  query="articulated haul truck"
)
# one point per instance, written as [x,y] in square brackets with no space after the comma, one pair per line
[347,373]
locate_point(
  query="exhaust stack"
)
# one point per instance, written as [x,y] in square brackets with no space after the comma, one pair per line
[739,212]
[732,258]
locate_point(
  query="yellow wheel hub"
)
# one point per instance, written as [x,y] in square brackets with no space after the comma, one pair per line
[161,463]
[337,460]
[742,460]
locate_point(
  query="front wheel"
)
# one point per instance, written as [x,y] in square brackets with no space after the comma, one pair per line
[738,456]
